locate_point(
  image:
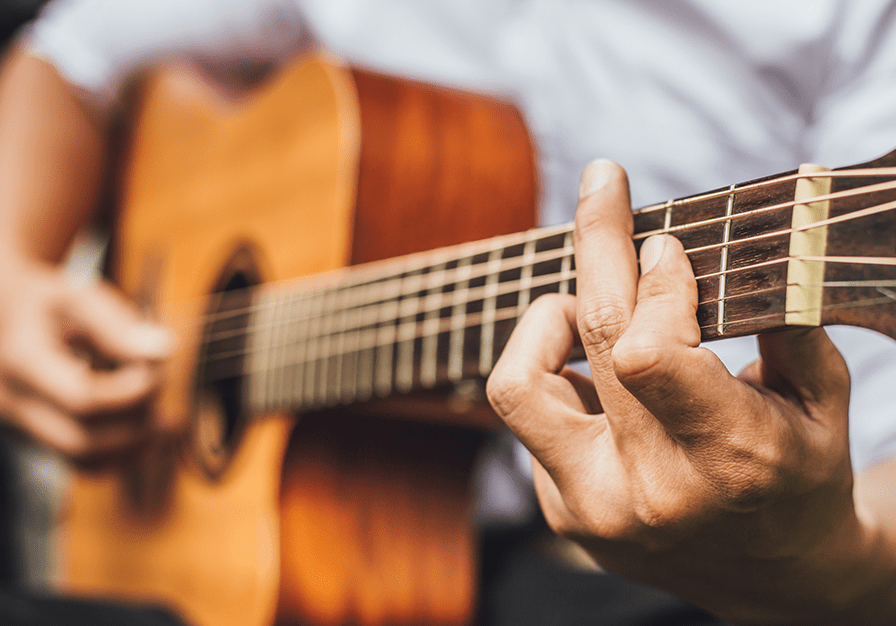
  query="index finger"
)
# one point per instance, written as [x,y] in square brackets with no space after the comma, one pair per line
[607,285]
[530,392]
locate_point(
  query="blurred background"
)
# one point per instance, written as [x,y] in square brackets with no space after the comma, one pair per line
[13,13]
[29,478]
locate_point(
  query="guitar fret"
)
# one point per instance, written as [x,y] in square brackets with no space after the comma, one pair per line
[408,308]
[326,329]
[350,350]
[489,303]
[459,319]
[287,337]
[430,344]
[385,338]
[723,264]
[299,342]
[277,360]
[525,290]
[259,331]
[334,388]
[315,309]
[367,353]
[667,216]
[566,264]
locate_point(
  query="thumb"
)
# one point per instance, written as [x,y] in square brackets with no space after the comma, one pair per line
[804,364]
[115,327]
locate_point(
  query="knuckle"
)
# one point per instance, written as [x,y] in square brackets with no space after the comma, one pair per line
[602,324]
[549,302]
[637,356]
[562,521]
[662,522]
[748,474]
[507,392]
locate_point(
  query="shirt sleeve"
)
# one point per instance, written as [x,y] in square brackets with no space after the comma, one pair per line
[98,44]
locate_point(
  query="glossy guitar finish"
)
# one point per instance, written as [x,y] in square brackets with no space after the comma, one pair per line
[362,521]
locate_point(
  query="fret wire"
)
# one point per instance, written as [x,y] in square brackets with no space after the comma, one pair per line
[723,265]
[667,217]
[312,363]
[296,375]
[277,354]
[366,364]
[566,263]
[458,321]
[258,332]
[326,337]
[525,282]
[408,306]
[489,302]
[387,331]
[432,307]
[334,388]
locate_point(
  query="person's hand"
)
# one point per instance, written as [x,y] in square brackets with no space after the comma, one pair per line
[77,365]
[735,493]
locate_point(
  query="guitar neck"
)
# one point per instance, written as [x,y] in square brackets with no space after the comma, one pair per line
[758,250]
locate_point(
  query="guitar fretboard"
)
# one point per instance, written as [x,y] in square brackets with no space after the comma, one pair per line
[432,319]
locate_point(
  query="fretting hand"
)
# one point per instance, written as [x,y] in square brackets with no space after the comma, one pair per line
[734,492]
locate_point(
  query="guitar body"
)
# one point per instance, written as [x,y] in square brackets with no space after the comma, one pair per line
[343,518]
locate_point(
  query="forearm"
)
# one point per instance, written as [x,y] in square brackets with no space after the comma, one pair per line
[52,158]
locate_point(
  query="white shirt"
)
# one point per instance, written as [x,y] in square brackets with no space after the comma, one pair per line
[688,95]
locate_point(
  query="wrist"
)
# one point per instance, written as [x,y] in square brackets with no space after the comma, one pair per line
[867,590]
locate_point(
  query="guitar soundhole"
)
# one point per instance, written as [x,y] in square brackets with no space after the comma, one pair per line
[219,414]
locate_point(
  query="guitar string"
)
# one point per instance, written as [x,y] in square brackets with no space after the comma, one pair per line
[828,307]
[396,282]
[444,323]
[371,339]
[473,296]
[544,256]
[477,294]
[551,280]
[725,192]
[870,189]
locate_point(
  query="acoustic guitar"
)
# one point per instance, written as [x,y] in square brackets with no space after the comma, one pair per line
[308,245]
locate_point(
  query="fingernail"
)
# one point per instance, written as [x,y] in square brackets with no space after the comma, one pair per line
[594,177]
[154,341]
[651,251]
